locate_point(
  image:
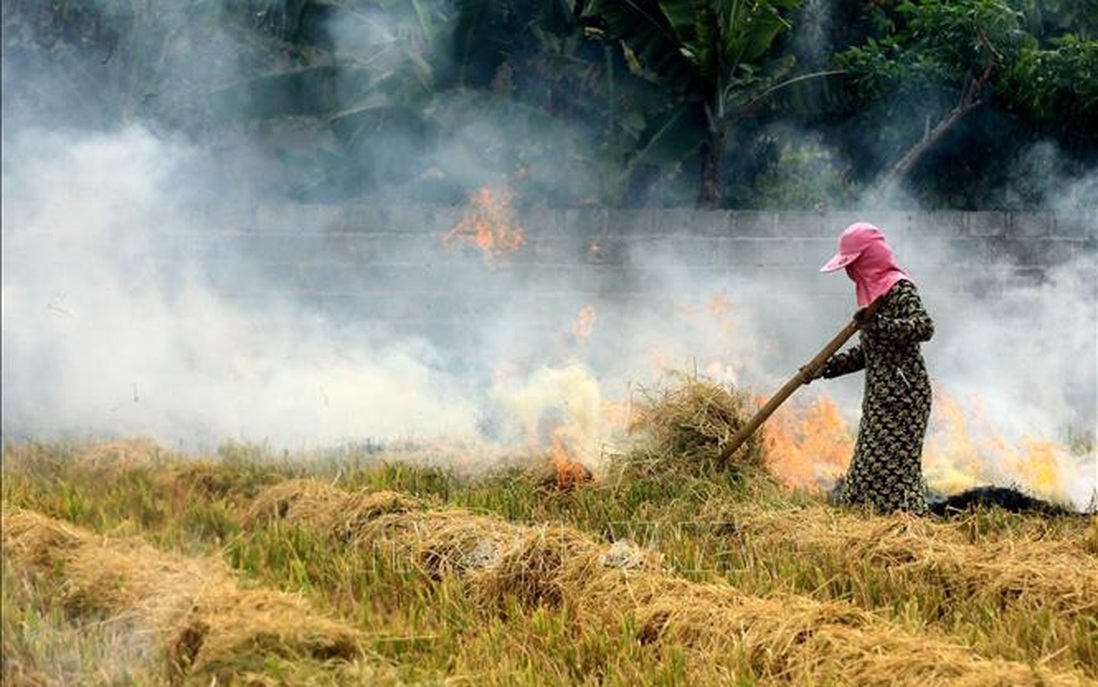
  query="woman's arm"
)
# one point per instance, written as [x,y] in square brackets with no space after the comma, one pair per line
[850,360]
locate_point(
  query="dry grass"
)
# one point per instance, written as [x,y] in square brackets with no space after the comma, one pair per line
[207,481]
[541,565]
[102,458]
[793,639]
[685,425]
[786,639]
[1056,575]
[469,581]
[321,506]
[197,615]
[122,454]
[437,543]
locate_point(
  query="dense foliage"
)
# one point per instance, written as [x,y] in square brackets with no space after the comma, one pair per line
[720,103]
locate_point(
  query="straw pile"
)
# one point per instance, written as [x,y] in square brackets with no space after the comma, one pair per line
[396,527]
[688,424]
[190,608]
[321,506]
[792,639]
[540,566]
[438,543]
[122,454]
[296,501]
[209,481]
[110,456]
[1020,573]
[788,639]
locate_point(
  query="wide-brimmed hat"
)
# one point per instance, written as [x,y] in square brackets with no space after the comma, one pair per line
[852,243]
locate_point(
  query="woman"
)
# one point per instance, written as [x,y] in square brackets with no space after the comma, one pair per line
[886,470]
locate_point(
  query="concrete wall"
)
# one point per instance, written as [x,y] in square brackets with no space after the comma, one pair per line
[390,263]
[340,253]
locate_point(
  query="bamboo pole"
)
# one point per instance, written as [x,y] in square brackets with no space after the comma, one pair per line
[805,373]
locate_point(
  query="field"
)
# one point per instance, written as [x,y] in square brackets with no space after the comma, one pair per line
[125,564]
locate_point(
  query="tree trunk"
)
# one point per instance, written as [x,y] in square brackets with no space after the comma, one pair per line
[711,192]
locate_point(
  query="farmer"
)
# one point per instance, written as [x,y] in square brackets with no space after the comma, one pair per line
[886,470]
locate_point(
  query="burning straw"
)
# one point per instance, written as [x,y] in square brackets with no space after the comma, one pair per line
[688,424]
[192,608]
[782,639]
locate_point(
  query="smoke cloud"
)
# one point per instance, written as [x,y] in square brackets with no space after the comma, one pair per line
[111,326]
[119,319]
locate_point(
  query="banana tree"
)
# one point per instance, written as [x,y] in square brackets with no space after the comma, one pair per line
[716,57]
[355,74]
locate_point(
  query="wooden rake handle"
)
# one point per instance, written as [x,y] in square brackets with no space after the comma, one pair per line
[807,371]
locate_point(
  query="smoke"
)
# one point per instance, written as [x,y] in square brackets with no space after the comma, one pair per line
[136,298]
[111,325]
[1020,364]
[1028,352]
[117,320]
[1041,173]
[811,38]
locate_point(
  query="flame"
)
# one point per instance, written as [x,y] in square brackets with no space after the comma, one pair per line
[618,415]
[951,460]
[720,308]
[807,446]
[584,325]
[562,409]
[717,311]
[715,322]
[1037,464]
[570,472]
[489,224]
[965,449]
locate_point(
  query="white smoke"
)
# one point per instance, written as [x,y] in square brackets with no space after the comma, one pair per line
[113,324]
[110,326]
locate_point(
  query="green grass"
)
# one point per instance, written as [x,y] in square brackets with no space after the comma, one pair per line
[420,630]
[41,645]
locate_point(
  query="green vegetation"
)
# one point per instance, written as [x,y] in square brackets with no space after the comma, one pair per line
[648,102]
[1012,589]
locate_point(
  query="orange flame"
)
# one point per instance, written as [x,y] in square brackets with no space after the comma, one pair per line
[718,311]
[808,445]
[964,449]
[720,307]
[951,457]
[618,415]
[716,321]
[489,224]
[570,472]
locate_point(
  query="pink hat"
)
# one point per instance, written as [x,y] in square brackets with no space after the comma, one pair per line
[868,260]
[853,241]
